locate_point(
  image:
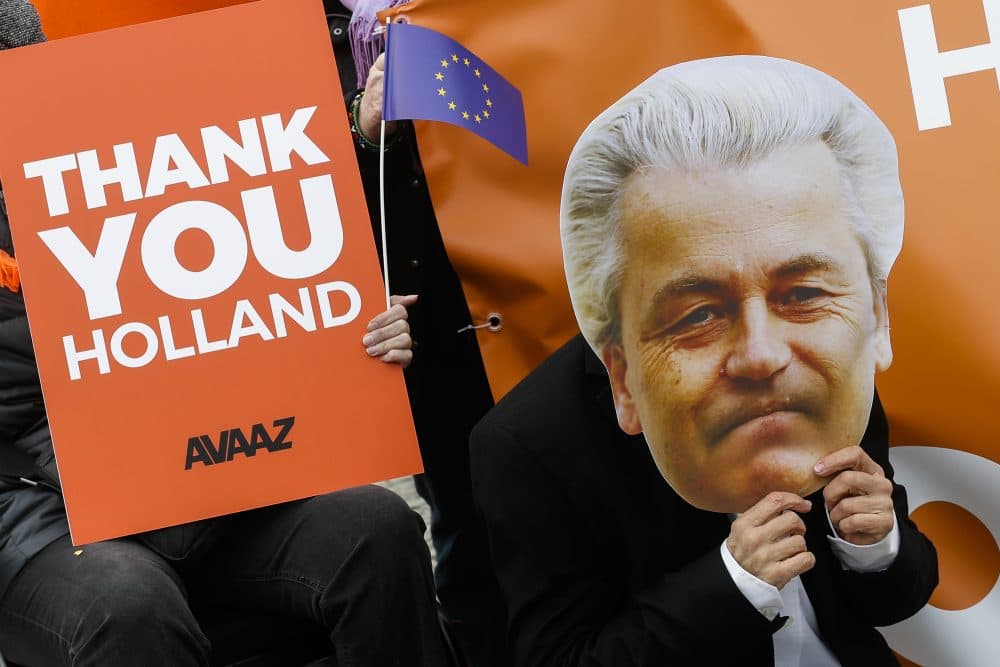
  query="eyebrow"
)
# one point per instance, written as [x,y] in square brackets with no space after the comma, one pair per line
[817,262]
[676,288]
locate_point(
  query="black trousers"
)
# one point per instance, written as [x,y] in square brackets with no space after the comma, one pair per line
[448,395]
[353,563]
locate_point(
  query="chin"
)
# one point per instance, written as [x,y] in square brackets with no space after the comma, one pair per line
[789,471]
[739,491]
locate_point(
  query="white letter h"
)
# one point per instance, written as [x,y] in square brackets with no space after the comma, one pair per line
[929,67]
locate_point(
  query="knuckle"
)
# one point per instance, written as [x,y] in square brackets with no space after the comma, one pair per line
[799,563]
[792,521]
[854,523]
[851,477]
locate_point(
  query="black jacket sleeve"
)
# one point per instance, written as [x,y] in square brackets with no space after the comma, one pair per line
[564,608]
[898,592]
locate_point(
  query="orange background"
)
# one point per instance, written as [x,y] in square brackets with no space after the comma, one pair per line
[121,438]
[572,58]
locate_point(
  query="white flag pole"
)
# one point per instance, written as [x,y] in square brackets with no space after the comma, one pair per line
[381,206]
[381,186]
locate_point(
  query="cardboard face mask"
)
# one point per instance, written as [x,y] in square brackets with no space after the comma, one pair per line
[727,229]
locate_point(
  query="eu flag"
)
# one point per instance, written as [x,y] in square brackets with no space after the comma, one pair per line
[433,77]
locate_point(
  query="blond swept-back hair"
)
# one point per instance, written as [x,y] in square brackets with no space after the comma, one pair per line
[718,113]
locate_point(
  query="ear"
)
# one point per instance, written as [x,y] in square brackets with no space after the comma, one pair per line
[882,342]
[613,357]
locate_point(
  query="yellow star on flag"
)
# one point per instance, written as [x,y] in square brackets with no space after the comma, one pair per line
[489,103]
[451,105]
[478,119]
[441,92]
[466,61]
[477,72]
[454,58]
[486,88]
[465,115]
[439,76]
[486,114]
[444,63]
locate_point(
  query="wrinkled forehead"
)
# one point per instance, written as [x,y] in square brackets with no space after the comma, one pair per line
[794,180]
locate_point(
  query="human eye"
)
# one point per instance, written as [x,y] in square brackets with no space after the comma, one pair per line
[689,321]
[698,317]
[802,294]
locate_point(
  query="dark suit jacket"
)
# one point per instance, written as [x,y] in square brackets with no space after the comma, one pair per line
[601,563]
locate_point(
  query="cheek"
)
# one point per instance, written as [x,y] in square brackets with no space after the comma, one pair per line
[671,389]
[658,382]
[838,349]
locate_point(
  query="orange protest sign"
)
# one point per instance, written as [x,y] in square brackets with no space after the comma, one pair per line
[198,268]
[927,69]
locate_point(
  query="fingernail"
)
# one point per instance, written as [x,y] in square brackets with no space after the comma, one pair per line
[372,351]
[819,468]
[371,325]
[367,340]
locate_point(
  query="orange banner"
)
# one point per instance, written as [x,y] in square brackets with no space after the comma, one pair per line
[65,18]
[198,268]
[928,70]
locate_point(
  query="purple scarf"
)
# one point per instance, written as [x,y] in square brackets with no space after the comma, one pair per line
[365,46]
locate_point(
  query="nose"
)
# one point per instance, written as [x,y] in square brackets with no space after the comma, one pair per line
[759,349]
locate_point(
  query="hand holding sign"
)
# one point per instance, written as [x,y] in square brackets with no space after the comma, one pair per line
[389,333]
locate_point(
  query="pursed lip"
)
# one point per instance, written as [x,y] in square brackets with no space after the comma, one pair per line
[749,411]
